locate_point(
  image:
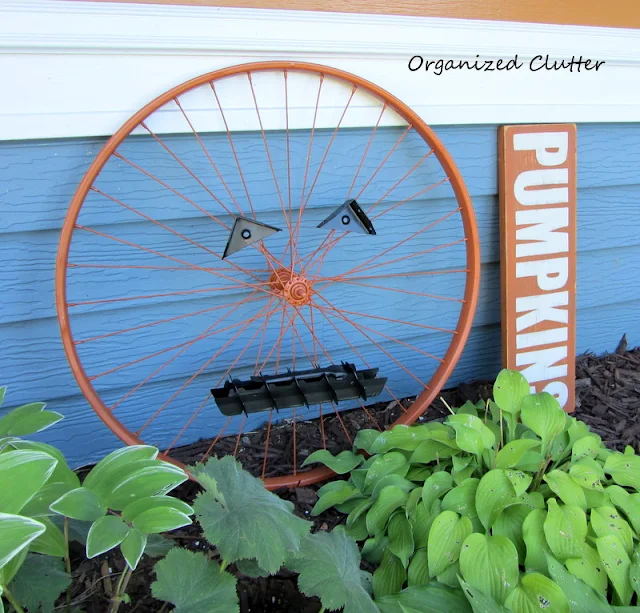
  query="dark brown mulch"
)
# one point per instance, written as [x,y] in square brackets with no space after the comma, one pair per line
[607,399]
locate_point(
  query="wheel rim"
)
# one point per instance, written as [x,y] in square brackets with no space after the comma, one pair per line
[303,291]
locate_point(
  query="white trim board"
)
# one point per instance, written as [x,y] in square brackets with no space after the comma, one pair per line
[72,68]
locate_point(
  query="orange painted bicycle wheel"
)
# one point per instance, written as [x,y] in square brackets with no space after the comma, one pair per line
[252,224]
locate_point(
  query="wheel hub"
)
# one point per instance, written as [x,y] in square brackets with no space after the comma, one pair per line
[296,290]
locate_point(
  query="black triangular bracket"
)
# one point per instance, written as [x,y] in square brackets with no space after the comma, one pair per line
[245,232]
[348,217]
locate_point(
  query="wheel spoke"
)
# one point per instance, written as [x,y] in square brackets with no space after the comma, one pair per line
[207,453]
[350,281]
[189,422]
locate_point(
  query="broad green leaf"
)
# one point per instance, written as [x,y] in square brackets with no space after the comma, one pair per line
[389,577]
[329,568]
[61,473]
[105,534]
[565,488]
[415,496]
[628,503]
[404,484]
[365,438]
[509,389]
[158,546]
[436,486]
[400,537]
[421,521]
[617,565]
[543,414]
[142,479]
[537,592]
[596,498]
[430,451]
[449,576]
[44,497]
[252,522]
[462,498]
[590,569]
[531,461]
[51,542]
[194,584]
[22,474]
[105,474]
[39,583]
[357,513]
[3,391]
[389,499]
[587,473]
[606,520]
[340,464]
[160,519]
[512,453]
[480,602]
[560,448]
[334,497]
[585,447]
[520,480]
[358,529]
[358,476]
[448,532]
[535,541]
[133,546]
[373,548]
[9,570]
[418,473]
[577,430]
[418,571]
[509,524]
[80,503]
[471,434]
[582,599]
[624,469]
[16,534]
[390,463]
[251,568]
[634,571]
[495,492]
[565,530]
[402,437]
[28,419]
[131,511]
[431,598]
[490,564]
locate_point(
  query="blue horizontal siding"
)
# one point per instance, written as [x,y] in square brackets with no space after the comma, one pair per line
[38,179]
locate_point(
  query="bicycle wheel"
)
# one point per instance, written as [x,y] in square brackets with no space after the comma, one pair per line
[271,243]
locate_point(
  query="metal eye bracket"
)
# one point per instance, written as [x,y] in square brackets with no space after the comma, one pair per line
[245,232]
[348,217]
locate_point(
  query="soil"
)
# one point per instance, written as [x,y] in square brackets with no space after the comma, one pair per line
[607,399]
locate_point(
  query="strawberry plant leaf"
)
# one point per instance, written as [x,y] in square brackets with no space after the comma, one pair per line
[340,464]
[194,584]
[329,567]
[251,522]
[39,582]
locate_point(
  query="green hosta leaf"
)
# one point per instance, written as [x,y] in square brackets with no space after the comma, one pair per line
[462,498]
[133,546]
[585,447]
[432,598]
[252,522]
[142,479]
[430,451]
[373,549]
[390,463]
[634,571]
[559,448]
[389,499]
[404,484]
[509,524]
[365,439]
[39,583]
[421,521]
[357,513]
[535,542]
[520,480]
[617,565]
[81,503]
[160,519]
[624,469]
[105,534]
[334,497]
[509,389]
[194,584]
[358,476]
[449,576]
[512,453]
[22,474]
[389,577]
[436,486]
[495,492]
[490,564]
[543,414]
[565,529]
[582,599]
[329,568]
[629,504]
[400,537]
[402,437]
[535,593]
[606,520]
[590,569]
[340,464]
[28,419]
[358,529]
[51,542]
[480,602]
[16,534]
[596,498]
[418,473]
[448,532]
[106,473]
[587,473]
[418,571]
[131,511]
[565,488]
[471,434]
[415,496]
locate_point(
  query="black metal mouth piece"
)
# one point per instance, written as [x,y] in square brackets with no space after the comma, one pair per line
[299,388]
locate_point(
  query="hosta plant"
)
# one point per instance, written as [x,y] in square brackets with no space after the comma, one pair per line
[508,505]
[43,505]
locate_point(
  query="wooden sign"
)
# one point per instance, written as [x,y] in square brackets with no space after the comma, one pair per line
[538,255]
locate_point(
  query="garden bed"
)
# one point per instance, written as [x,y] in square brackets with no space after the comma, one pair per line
[607,399]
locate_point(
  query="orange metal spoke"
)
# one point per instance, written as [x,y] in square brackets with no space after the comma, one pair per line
[419,273]
[371,418]
[163,268]
[313,335]
[278,341]
[324,440]
[344,428]
[235,449]
[350,281]
[159,321]
[293,427]
[266,444]
[397,204]
[286,107]
[184,428]
[207,453]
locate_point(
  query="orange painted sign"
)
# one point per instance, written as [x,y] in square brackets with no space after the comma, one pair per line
[538,255]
